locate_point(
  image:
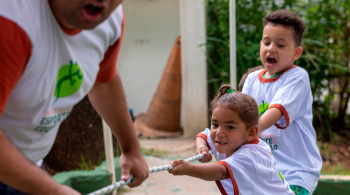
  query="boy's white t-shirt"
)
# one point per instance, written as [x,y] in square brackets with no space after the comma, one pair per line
[252,169]
[292,139]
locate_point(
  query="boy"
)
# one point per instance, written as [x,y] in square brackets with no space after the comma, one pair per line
[282,91]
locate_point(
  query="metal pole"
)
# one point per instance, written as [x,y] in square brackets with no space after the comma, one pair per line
[233,57]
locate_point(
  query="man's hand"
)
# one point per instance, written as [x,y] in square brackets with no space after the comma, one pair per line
[181,167]
[205,150]
[133,164]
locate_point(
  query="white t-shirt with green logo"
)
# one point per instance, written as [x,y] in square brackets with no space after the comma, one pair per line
[292,139]
[60,72]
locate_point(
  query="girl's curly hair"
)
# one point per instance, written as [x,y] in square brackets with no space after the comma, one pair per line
[243,104]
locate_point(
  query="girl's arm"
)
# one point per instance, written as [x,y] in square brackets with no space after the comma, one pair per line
[208,172]
[202,147]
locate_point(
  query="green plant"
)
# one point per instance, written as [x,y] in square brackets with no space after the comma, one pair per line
[88,165]
[326,55]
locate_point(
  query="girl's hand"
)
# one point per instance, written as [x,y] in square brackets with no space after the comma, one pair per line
[205,150]
[181,167]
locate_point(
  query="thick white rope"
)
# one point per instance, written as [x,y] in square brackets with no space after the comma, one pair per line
[122,183]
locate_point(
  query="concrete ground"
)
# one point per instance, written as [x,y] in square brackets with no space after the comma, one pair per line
[164,183]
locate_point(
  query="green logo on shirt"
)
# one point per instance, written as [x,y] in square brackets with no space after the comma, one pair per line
[69,80]
[281,176]
[263,107]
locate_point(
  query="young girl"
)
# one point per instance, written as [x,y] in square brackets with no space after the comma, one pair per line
[244,164]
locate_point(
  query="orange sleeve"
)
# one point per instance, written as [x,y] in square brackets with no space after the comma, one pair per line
[108,66]
[284,112]
[202,135]
[15,51]
[233,180]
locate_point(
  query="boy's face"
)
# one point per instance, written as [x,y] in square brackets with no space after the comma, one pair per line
[228,132]
[277,49]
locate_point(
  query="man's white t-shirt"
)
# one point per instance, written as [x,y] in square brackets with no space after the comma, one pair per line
[292,139]
[252,169]
[62,68]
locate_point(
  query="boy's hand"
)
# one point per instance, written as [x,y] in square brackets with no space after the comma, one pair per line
[205,150]
[181,167]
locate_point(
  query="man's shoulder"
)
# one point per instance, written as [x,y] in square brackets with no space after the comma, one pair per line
[114,24]
[26,14]
[17,9]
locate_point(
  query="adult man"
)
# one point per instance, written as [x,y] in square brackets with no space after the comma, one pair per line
[48,64]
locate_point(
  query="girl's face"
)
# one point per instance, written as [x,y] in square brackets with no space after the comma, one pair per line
[228,132]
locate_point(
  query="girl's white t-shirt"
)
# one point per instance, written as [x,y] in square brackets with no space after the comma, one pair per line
[292,139]
[252,169]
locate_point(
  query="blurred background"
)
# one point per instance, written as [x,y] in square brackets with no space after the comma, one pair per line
[150,32]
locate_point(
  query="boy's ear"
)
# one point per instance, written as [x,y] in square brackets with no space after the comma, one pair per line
[298,53]
[253,132]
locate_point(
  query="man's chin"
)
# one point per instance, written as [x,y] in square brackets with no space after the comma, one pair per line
[87,25]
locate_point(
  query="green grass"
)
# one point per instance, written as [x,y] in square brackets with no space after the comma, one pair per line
[338,169]
[153,152]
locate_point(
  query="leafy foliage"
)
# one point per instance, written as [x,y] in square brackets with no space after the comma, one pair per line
[326,54]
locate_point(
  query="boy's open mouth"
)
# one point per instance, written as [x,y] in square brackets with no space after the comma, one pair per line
[271,60]
[93,9]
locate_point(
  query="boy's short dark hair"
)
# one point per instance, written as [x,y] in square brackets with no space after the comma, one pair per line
[288,19]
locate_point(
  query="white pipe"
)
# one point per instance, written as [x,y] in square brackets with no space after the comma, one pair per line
[108,142]
[233,57]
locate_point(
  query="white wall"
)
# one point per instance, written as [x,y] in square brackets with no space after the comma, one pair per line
[150,32]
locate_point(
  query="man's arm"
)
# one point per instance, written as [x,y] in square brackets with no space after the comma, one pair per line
[208,172]
[269,118]
[109,101]
[17,172]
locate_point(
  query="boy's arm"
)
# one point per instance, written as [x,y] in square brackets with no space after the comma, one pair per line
[269,118]
[208,172]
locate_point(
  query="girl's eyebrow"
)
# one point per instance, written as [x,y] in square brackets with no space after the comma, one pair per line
[230,122]
[214,120]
